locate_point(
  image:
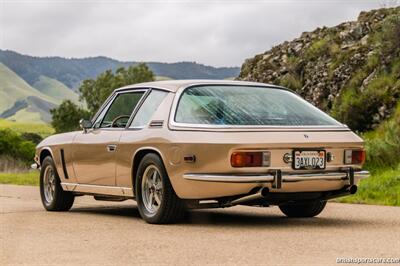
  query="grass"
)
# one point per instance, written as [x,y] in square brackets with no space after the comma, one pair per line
[382,188]
[39,128]
[30,178]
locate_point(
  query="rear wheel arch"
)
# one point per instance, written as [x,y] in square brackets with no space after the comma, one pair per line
[137,158]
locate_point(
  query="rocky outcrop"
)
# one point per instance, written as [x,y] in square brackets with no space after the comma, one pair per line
[340,68]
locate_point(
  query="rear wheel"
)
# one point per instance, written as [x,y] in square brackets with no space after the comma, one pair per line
[54,198]
[156,199]
[303,209]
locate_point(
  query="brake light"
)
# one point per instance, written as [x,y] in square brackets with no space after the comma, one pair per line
[354,156]
[250,159]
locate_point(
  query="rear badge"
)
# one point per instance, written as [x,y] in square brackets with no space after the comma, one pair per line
[287,158]
[306,136]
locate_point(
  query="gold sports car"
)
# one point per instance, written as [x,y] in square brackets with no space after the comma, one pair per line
[181,144]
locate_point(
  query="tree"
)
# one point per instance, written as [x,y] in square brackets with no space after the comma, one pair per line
[33,137]
[94,92]
[66,116]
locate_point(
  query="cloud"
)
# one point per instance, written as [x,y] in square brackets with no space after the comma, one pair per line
[210,32]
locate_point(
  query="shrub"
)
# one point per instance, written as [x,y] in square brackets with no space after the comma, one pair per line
[357,105]
[383,144]
[389,37]
[317,49]
[291,81]
[357,109]
[13,145]
[33,137]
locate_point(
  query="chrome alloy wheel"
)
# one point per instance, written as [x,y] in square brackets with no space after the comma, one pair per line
[49,184]
[152,189]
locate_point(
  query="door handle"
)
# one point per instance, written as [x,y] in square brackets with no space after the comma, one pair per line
[111,147]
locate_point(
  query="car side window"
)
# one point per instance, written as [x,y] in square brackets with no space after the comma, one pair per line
[118,113]
[146,111]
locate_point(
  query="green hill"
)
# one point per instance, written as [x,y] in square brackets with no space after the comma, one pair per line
[55,89]
[72,71]
[19,100]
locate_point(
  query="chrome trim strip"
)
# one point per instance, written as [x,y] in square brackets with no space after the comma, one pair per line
[330,177]
[98,189]
[230,178]
[269,178]
[361,174]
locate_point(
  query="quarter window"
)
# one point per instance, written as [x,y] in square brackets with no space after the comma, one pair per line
[146,111]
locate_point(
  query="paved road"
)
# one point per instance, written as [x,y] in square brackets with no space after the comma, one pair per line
[110,233]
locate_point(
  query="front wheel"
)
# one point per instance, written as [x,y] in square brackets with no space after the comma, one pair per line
[54,198]
[303,209]
[156,199]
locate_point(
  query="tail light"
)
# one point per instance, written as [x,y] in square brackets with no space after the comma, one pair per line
[354,156]
[250,159]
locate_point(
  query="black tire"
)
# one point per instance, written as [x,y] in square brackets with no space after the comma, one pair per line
[171,209]
[60,200]
[304,209]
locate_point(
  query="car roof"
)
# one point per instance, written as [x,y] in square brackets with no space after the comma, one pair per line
[174,85]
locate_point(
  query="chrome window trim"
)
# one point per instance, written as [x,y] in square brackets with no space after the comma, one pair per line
[106,105]
[137,107]
[172,124]
[118,91]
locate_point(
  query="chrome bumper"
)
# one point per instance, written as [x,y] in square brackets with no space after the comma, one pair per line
[277,178]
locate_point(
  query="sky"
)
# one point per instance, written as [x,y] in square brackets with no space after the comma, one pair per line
[217,33]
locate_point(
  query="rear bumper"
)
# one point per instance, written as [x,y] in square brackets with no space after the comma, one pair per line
[278,178]
[209,186]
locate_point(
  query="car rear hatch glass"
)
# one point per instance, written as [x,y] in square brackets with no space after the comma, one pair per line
[247,106]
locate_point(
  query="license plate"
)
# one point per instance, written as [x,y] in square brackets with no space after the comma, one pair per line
[307,159]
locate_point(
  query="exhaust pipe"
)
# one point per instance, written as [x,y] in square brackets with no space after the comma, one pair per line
[262,193]
[353,189]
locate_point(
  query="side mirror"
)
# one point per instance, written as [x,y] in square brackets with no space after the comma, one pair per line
[85,124]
